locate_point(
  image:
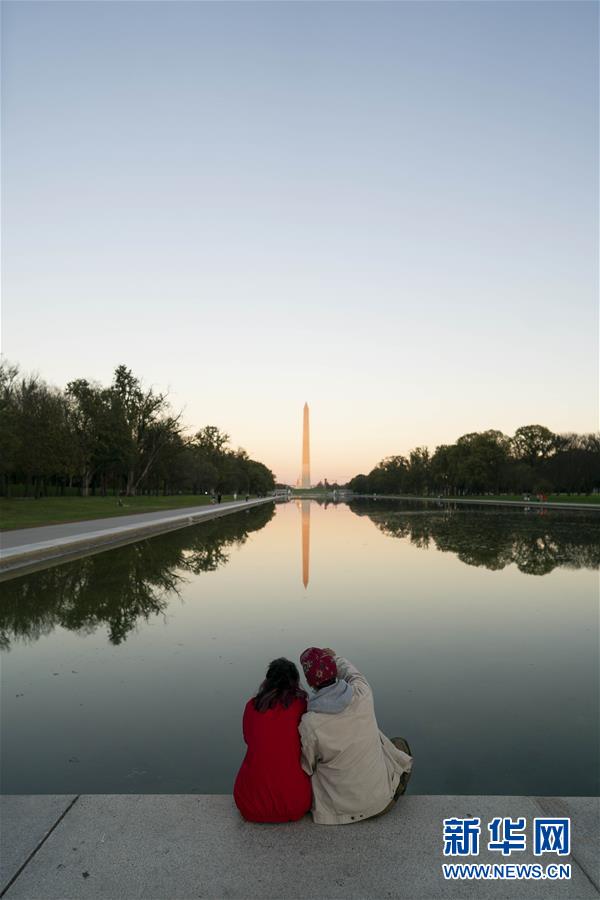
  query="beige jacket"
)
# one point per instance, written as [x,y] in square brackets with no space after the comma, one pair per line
[355,769]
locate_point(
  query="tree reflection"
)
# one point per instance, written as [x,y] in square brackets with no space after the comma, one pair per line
[122,586]
[536,541]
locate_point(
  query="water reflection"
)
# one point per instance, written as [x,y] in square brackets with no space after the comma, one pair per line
[119,588]
[305,542]
[472,665]
[536,541]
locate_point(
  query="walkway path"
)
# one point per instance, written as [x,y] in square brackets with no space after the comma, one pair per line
[108,847]
[27,547]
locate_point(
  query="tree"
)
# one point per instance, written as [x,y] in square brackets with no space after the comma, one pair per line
[418,474]
[87,418]
[532,443]
[260,479]
[39,431]
[359,484]
[9,437]
[389,476]
[211,441]
[146,426]
[484,458]
[444,469]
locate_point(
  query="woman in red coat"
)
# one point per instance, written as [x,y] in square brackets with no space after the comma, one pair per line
[271,785]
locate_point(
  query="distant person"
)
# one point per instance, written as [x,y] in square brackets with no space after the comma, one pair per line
[271,785]
[247,497]
[218,498]
[356,771]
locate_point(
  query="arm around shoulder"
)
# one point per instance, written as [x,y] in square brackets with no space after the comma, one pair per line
[350,673]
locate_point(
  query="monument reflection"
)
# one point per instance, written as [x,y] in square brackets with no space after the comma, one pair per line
[304,507]
[305,542]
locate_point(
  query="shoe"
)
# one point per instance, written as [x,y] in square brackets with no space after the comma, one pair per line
[402,744]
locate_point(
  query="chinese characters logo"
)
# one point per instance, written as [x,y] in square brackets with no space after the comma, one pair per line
[506,836]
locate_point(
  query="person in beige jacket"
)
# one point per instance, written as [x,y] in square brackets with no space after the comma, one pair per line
[356,771]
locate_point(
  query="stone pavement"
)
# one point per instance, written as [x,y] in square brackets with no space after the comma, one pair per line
[180,846]
[29,547]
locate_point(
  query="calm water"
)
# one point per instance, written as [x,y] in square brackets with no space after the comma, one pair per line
[478,629]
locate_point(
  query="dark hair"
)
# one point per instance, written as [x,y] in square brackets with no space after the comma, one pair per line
[282,685]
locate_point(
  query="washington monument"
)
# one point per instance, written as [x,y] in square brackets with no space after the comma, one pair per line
[305,450]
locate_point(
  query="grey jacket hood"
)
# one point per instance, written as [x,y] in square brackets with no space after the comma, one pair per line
[332,699]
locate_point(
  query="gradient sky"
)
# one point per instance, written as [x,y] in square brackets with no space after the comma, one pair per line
[389,210]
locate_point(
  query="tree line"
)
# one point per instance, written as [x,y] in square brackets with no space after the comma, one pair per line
[122,438]
[534,460]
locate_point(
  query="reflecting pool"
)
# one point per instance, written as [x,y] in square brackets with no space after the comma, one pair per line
[478,628]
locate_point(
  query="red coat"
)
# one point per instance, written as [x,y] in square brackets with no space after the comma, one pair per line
[271,786]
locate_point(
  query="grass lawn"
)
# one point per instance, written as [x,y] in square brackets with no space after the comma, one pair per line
[550,498]
[314,492]
[589,499]
[27,513]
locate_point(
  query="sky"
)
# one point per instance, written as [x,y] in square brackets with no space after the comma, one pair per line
[387,210]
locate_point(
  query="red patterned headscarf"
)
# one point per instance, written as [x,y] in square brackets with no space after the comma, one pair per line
[319,666]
